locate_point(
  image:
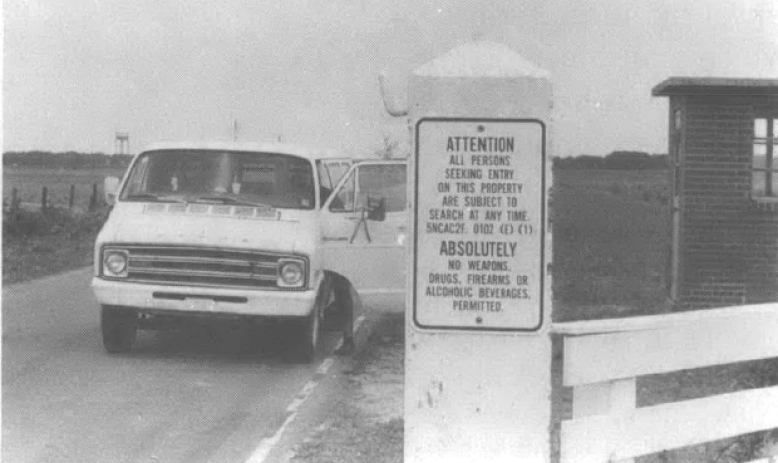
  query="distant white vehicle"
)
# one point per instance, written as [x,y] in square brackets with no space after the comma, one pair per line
[248,230]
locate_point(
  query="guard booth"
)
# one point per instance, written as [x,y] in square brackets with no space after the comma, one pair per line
[723,147]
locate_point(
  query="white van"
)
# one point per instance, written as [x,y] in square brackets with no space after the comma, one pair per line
[254,230]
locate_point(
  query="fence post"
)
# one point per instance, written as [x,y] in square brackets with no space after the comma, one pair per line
[72,197]
[14,206]
[93,199]
[607,398]
[44,199]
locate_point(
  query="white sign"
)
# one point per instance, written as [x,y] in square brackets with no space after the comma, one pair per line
[479,224]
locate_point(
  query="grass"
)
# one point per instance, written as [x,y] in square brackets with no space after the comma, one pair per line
[611,251]
[40,244]
[611,247]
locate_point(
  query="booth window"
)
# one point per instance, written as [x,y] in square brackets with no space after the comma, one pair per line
[764,178]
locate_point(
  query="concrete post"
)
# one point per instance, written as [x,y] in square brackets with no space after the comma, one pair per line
[478,351]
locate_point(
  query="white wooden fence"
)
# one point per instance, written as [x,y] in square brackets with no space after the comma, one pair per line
[602,359]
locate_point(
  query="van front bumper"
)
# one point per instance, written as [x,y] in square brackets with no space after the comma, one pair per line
[202,300]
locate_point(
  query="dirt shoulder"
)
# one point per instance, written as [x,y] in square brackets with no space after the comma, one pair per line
[368,425]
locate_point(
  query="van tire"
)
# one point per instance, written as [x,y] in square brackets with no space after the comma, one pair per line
[119,326]
[309,336]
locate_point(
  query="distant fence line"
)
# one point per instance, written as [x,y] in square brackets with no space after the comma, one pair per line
[14,204]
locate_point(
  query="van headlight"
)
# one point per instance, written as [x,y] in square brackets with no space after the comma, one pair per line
[115,263]
[291,273]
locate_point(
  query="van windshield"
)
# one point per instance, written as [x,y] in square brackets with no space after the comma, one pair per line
[222,177]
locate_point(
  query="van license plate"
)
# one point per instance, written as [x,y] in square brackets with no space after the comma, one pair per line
[201,305]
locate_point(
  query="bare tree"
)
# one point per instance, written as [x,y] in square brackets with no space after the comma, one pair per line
[388,150]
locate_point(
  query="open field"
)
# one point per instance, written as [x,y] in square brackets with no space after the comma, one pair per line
[29,182]
[611,232]
[611,250]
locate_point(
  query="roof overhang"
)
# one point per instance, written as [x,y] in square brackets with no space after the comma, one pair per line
[716,86]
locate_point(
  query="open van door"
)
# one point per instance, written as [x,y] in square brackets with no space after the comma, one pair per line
[365,227]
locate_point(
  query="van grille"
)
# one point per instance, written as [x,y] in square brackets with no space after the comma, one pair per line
[202,266]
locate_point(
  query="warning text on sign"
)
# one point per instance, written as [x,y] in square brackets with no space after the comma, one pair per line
[479,224]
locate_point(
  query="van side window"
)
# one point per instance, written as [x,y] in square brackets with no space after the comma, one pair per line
[338,170]
[344,200]
[325,181]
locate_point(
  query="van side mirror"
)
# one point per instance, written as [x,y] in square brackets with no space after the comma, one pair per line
[110,189]
[376,209]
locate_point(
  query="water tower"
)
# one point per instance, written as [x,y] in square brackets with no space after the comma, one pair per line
[121,144]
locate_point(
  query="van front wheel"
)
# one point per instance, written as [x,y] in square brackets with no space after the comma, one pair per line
[119,326]
[309,336]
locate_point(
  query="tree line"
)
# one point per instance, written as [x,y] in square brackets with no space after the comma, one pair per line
[65,160]
[615,160]
[76,160]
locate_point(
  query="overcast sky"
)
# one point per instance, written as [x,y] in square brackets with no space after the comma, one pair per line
[77,71]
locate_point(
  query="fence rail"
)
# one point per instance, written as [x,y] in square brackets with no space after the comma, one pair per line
[603,358]
[15,202]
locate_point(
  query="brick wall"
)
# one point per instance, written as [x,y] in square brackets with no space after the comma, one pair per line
[728,242]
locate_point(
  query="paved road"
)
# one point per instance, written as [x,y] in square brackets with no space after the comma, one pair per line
[199,395]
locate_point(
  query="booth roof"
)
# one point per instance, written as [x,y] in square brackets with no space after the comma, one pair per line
[715,86]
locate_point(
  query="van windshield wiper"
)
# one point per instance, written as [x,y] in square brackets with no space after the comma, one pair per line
[153,197]
[229,200]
